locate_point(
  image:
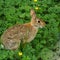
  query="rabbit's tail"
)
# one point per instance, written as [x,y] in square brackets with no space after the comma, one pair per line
[1,46]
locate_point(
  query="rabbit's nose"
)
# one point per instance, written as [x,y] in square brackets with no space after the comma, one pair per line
[46,22]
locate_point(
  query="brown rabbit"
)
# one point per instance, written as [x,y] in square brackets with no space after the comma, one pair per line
[25,33]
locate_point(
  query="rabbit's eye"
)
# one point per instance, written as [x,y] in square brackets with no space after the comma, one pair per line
[38,21]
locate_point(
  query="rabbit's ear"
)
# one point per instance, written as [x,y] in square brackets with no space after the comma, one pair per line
[32,13]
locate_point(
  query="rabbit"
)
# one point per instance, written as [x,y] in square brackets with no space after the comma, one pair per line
[25,33]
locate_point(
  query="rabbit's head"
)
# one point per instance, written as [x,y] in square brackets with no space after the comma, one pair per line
[39,23]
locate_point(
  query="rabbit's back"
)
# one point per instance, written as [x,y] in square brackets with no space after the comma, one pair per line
[11,38]
[14,35]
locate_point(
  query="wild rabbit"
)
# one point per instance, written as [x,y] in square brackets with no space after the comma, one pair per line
[25,33]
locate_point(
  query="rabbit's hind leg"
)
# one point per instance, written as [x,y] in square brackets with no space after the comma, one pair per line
[12,45]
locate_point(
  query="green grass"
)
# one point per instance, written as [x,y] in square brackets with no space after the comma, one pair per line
[18,11]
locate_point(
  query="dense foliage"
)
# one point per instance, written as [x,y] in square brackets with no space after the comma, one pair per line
[18,12]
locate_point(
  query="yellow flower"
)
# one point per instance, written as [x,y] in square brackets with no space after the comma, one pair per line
[35,0]
[20,53]
[36,8]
